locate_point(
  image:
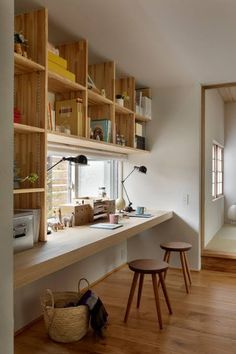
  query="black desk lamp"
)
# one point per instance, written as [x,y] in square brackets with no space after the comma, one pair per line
[141,169]
[80,160]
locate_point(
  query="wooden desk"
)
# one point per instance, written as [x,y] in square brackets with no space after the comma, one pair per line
[74,244]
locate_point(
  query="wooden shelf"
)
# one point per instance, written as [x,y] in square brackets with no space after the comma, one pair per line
[71,140]
[122,110]
[24,65]
[22,128]
[141,118]
[97,99]
[28,190]
[57,83]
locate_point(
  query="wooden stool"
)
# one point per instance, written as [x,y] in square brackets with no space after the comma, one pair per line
[141,267]
[180,247]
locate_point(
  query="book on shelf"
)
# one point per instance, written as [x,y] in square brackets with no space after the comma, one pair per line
[138,129]
[101,129]
[69,114]
[139,142]
[51,117]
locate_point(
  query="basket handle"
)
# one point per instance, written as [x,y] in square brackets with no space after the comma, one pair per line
[50,319]
[50,293]
[79,285]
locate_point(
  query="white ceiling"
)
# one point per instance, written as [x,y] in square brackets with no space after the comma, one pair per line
[160,42]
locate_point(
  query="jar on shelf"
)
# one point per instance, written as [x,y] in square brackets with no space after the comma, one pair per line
[102,192]
[118,139]
[122,140]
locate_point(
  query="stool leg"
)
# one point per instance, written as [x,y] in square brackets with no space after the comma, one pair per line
[184,271]
[187,268]
[131,295]
[140,288]
[165,256]
[165,259]
[163,285]
[155,288]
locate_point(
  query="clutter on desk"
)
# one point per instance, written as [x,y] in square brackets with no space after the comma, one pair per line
[87,210]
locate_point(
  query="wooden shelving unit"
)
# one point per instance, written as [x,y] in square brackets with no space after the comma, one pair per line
[28,190]
[33,81]
[57,83]
[23,128]
[24,65]
[79,142]
[30,86]
[97,99]
[141,118]
[122,110]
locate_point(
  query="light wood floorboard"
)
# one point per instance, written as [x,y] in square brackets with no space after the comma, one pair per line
[203,322]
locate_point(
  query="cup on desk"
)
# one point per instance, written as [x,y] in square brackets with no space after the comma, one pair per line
[140,210]
[113,218]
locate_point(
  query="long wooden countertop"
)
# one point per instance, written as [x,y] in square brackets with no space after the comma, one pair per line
[69,246]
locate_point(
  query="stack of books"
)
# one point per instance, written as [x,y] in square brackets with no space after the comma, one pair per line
[59,66]
[69,115]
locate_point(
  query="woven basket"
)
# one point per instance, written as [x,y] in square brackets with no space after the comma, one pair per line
[65,324]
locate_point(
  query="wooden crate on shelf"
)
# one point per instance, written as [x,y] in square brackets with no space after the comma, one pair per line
[33,25]
[125,126]
[76,55]
[126,85]
[103,76]
[29,98]
[101,112]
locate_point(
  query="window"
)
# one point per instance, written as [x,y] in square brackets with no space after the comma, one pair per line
[217,170]
[68,181]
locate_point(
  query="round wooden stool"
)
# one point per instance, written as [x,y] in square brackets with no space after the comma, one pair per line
[180,247]
[140,267]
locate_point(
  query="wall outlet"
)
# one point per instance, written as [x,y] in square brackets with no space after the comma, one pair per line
[186,199]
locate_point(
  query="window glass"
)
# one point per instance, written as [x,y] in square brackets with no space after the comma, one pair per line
[217,170]
[68,181]
[94,176]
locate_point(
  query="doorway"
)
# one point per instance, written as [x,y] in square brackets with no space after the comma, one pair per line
[218,171]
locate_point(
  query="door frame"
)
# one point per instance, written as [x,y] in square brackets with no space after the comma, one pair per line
[203,120]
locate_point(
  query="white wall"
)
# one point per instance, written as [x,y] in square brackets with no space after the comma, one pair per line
[172,173]
[6,170]
[27,303]
[214,130]
[229,156]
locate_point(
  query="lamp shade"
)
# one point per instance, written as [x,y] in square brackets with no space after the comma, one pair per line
[80,159]
[142,169]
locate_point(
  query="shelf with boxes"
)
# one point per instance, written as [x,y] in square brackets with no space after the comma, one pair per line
[143,115]
[67,99]
[60,98]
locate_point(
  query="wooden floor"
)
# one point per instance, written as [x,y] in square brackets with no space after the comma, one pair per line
[203,322]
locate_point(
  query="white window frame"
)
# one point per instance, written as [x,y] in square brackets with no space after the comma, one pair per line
[216,171]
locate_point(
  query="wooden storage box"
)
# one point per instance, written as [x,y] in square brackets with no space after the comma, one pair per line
[83,213]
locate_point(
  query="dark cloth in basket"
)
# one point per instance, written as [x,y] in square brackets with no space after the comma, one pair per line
[97,310]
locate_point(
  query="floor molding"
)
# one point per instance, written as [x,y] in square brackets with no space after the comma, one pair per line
[219,263]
